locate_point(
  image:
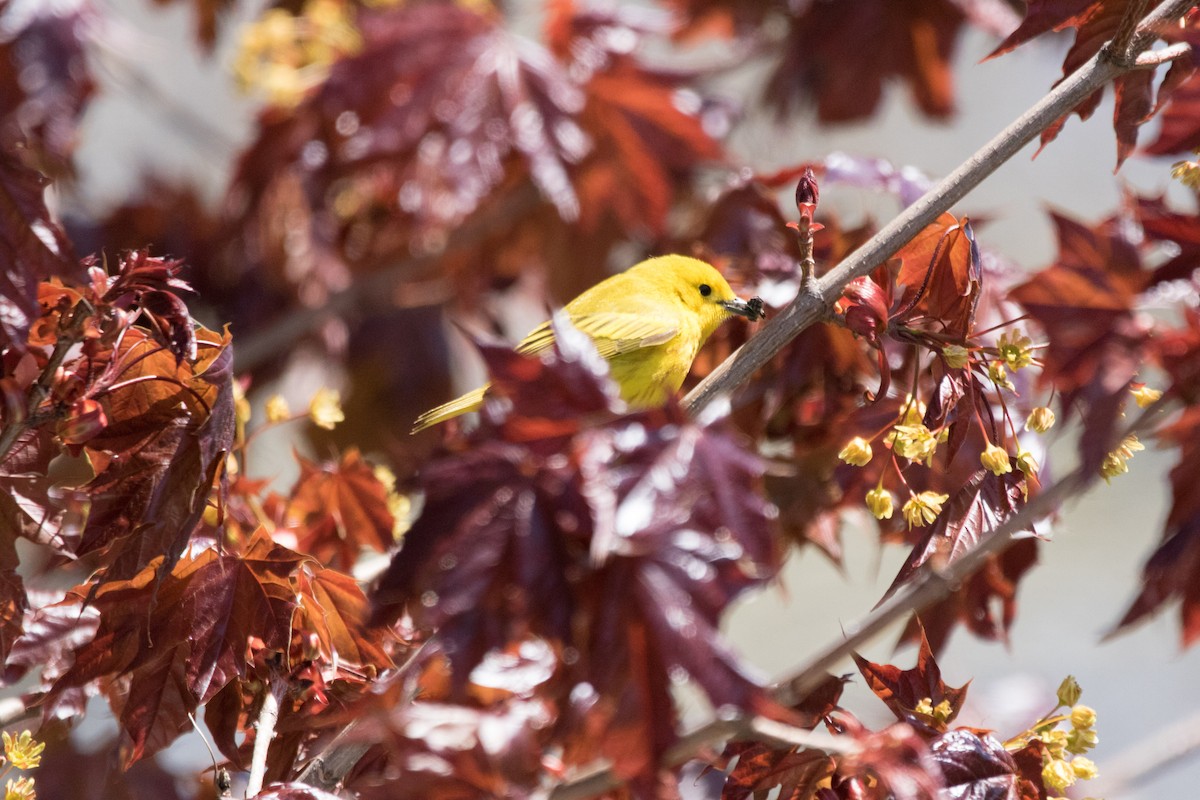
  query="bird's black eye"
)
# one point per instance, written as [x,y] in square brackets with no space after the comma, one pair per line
[705,290]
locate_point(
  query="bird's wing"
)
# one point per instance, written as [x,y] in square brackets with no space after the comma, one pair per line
[613,333]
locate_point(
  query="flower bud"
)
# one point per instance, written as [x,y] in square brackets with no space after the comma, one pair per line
[995,459]
[807,191]
[1069,690]
[1027,463]
[1083,717]
[86,419]
[1040,420]
[880,503]
[857,452]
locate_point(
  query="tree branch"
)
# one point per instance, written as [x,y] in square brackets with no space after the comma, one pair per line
[807,309]
[264,732]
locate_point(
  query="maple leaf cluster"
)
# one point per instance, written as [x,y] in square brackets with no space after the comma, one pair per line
[920,755]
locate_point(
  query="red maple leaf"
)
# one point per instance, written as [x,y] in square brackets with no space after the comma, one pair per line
[904,690]
[338,509]
[910,40]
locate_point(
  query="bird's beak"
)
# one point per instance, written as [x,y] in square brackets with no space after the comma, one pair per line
[751,309]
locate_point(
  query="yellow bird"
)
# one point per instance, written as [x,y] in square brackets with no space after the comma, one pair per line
[648,322]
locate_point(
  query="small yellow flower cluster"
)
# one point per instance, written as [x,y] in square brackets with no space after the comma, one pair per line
[914,442]
[922,509]
[325,409]
[1116,462]
[22,752]
[283,55]
[1144,396]
[1064,762]
[1187,173]
[398,505]
[941,712]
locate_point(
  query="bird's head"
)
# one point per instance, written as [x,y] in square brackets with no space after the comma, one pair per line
[702,289]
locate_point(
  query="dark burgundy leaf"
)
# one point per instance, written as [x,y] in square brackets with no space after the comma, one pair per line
[974,767]
[974,511]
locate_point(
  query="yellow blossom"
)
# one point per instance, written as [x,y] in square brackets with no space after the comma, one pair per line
[20,789]
[1014,349]
[24,752]
[277,409]
[1144,396]
[996,459]
[1080,740]
[1027,463]
[924,706]
[1040,420]
[923,508]
[1084,768]
[1116,462]
[1057,774]
[857,452]
[1083,717]
[325,409]
[914,442]
[1055,741]
[880,502]
[956,356]
[999,376]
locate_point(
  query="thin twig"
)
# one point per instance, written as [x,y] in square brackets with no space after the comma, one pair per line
[264,732]
[806,309]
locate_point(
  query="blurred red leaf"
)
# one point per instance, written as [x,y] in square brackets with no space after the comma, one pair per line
[900,761]
[1173,570]
[903,690]
[912,40]
[338,509]
[45,82]
[207,15]
[32,244]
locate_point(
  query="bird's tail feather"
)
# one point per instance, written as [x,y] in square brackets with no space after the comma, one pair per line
[471,401]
